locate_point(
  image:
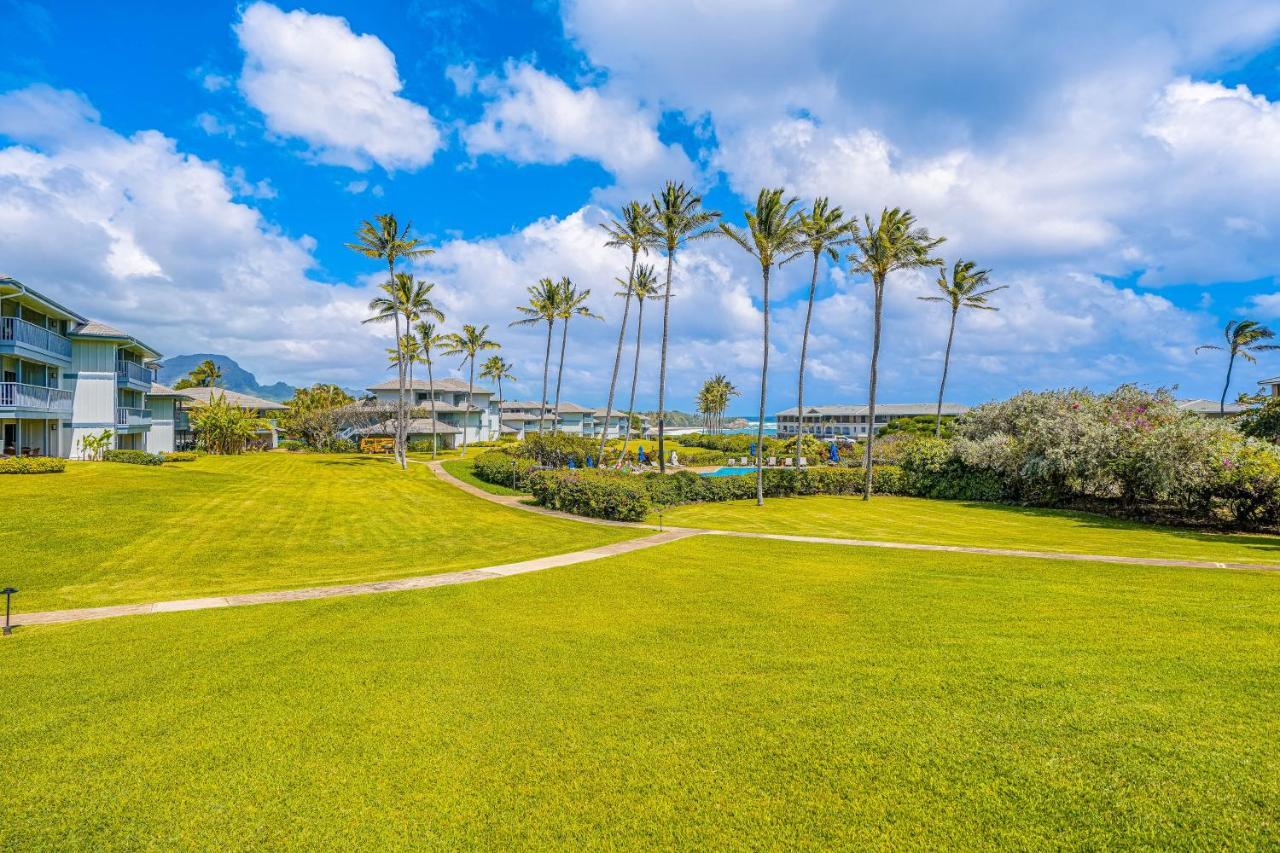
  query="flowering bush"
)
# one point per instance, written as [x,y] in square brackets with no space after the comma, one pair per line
[32,465]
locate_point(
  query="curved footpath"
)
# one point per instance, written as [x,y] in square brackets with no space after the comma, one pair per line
[659,537]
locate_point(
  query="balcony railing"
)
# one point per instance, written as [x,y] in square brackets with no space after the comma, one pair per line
[22,396]
[132,417]
[133,372]
[37,337]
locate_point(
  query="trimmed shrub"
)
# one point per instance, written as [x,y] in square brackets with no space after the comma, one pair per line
[32,465]
[339,445]
[503,469]
[423,445]
[132,457]
[554,450]
[594,493]
[179,456]
[292,445]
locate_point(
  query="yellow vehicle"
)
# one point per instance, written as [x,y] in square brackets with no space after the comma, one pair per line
[377,444]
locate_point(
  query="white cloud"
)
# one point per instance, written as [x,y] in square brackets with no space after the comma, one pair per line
[214,126]
[215,82]
[314,79]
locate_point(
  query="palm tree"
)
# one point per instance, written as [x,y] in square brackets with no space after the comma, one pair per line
[469,343]
[773,234]
[430,340]
[1242,338]
[634,232]
[644,287]
[823,231]
[387,241]
[724,391]
[678,218]
[543,307]
[572,304]
[206,374]
[967,289]
[497,369]
[894,243]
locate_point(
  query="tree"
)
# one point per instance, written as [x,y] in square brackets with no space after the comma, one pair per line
[894,243]
[206,374]
[468,344]
[429,340]
[543,307]
[713,400]
[315,414]
[773,234]
[224,428]
[387,241]
[635,233]
[823,231]
[1242,338]
[644,287]
[572,304]
[678,218]
[967,289]
[93,445]
[496,368]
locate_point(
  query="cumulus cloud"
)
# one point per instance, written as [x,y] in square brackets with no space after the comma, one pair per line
[315,80]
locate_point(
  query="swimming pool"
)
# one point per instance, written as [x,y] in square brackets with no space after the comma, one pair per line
[728,472]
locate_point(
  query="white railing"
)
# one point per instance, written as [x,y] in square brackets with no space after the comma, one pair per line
[22,396]
[20,331]
[132,417]
[133,372]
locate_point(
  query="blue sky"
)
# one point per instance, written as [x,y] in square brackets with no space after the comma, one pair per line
[193,177]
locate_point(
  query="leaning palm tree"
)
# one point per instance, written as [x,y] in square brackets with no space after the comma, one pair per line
[772,235]
[824,231]
[572,304]
[723,392]
[430,340]
[891,244]
[389,242]
[966,289]
[543,307]
[206,374]
[644,287]
[678,218]
[469,343]
[1242,338]
[635,233]
[497,368]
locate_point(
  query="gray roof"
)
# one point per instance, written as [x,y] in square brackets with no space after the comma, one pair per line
[891,409]
[158,390]
[1210,407]
[1274,380]
[417,426]
[571,408]
[447,383]
[235,398]
[8,282]
[97,329]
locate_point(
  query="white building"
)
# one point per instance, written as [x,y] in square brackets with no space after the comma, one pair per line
[851,420]
[268,410]
[64,377]
[480,421]
[615,428]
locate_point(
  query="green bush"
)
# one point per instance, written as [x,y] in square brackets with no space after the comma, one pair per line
[132,457]
[179,456]
[595,493]
[423,445]
[339,445]
[504,469]
[32,465]
[554,450]
[292,444]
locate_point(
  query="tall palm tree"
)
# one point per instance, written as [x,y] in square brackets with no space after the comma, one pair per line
[966,289]
[678,218]
[1242,338]
[634,232]
[543,307]
[891,244]
[572,304]
[430,340]
[497,368]
[384,239]
[644,287]
[206,374]
[724,392]
[772,235]
[824,231]
[472,341]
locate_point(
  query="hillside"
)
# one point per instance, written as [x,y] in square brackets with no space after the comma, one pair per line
[234,377]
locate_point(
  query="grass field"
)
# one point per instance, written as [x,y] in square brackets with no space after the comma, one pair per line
[710,693]
[977,524]
[107,533]
[463,469]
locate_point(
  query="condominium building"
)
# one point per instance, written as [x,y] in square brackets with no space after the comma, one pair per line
[852,420]
[479,421]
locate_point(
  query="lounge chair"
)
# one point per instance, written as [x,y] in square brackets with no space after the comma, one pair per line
[786,462]
[804,461]
[773,461]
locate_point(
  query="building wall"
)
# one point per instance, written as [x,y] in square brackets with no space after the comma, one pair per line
[160,438]
[92,379]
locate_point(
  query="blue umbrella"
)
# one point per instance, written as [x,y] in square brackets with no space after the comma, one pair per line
[640,455]
[753,448]
[591,463]
[835,452]
[571,465]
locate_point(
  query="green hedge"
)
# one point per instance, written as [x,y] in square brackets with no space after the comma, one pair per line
[555,449]
[132,457]
[593,493]
[179,456]
[504,469]
[32,465]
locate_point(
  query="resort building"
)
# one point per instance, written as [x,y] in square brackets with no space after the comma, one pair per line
[163,403]
[64,377]
[268,410]
[1211,408]
[523,416]
[480,421]
[852,421]
[615,428]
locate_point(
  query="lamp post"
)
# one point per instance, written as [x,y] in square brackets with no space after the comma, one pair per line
[7,592]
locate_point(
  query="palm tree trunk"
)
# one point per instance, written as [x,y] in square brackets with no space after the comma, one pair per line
[431,380]
[499,405]
[635,374]
[564,339]
[471,381]
[946,365]
[399,443]
[871,388]
[764,378]
[662,369]
[804,352]
[546,367]
[617,358]
[1222,404]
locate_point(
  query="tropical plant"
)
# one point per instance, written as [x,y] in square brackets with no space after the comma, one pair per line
[773,234]
[206,374]
[543,307]
[315,414]
[429,340]
[1243,339]
[966,289]
[93,445]
[572,304]
[496,369]
[823,231]
[893,243]
[384,239]
[678,218]
[635,233]
[469,343]
[713,400]
[224,428]
[644,288]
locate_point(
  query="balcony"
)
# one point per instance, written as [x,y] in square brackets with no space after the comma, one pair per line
[18,337]
[37,399]
[130,374]
[127,418]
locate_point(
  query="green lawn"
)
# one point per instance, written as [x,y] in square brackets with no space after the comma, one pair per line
[108,533]
[711,693]
[979,524]
[463,469]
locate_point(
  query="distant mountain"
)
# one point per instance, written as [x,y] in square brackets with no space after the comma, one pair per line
[234,377]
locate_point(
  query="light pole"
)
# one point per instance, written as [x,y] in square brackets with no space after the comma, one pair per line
[7,592]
